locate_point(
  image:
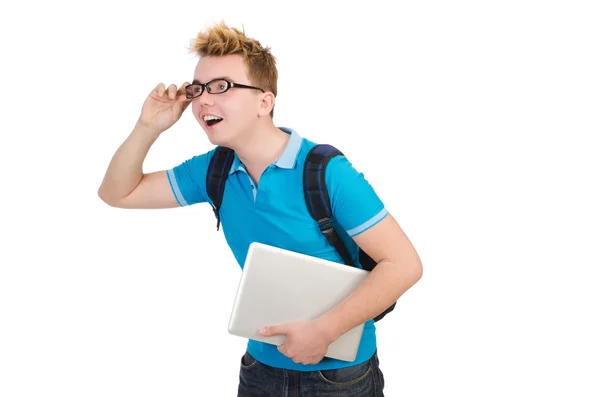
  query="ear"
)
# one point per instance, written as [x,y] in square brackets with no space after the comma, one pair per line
[267,102]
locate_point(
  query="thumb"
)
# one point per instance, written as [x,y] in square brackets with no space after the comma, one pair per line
[274,330]
[182,103]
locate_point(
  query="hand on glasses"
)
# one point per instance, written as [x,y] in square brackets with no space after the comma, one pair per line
[163,107]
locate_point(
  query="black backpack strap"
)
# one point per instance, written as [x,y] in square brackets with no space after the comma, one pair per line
[319,206]
[317,198]
[216,176]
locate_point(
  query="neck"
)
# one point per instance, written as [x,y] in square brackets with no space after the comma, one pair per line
[261,147]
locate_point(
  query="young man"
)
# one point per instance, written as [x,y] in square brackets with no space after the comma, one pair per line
[233,97]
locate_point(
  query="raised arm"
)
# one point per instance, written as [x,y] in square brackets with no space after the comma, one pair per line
[124,184]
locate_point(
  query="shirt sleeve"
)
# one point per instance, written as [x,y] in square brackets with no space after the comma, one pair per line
[354,203]
[188,180]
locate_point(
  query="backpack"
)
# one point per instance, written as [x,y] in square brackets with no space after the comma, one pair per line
[315,195]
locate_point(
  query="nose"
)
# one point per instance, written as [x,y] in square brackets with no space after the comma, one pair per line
[204,98]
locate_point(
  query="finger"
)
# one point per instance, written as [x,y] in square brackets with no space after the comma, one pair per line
[172,91]
[183,103]
[283,350]
[160,89]
[274,330]
[313,360]
[181,92]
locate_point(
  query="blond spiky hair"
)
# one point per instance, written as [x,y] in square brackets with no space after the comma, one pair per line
[221,40]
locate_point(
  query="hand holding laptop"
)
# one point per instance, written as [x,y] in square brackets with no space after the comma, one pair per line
[306,342]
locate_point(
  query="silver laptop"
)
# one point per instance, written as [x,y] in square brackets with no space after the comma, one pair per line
[279,286]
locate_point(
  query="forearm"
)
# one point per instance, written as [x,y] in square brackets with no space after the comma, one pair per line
[380,289]
[125,170]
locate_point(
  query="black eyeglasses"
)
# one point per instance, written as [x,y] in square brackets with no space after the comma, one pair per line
[216,86]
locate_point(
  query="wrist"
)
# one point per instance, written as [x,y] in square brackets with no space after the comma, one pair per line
[329,326]
[146,131]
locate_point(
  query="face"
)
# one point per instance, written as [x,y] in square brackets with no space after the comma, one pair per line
[239,109]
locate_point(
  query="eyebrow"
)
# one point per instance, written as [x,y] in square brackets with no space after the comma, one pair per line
[216,78]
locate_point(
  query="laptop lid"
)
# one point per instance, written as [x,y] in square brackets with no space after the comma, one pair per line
[279,286]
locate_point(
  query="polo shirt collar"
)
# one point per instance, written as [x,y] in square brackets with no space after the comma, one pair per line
[287,159]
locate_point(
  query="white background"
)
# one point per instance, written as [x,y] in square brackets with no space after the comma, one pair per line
[476,122]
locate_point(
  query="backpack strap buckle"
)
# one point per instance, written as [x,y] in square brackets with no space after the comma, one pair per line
[327,230]
[216,211]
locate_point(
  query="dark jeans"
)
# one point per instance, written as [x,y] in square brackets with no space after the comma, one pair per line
[362,380]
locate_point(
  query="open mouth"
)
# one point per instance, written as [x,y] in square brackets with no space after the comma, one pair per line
[212,120]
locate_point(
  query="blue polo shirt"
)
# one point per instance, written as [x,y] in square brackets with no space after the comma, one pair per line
[275,213]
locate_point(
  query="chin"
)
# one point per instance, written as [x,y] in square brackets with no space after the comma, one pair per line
[218,138]
[212,139]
